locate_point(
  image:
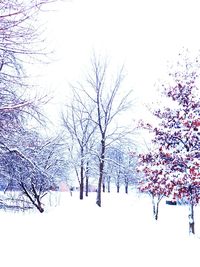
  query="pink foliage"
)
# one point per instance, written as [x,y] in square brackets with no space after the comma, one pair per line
[173,166]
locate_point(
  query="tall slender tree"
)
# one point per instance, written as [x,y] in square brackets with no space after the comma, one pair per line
[80,131]
[104,92]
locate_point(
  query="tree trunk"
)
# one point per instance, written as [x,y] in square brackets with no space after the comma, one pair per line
[87,179]
[38,204]
[118,187]
[98,200]
[86,186]
[191,219]
[191,212]
[155,208]
[36,201]
[156,212]
[101,169]
[39,207]
[109,185]
[104,187]
[82,176]
[81,183]
[126,188]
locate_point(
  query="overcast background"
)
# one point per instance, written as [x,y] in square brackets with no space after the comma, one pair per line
[141,34]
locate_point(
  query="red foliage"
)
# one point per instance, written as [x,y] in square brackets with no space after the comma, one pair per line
[173,166]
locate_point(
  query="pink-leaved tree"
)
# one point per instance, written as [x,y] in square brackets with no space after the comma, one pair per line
[154,179]
[173,166]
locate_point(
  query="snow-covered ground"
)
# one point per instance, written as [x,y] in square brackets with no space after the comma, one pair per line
[79,233]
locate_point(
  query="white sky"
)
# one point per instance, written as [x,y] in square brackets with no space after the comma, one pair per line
[142,34]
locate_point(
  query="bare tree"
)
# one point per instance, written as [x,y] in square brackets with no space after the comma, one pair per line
[24,175]
[80,129]
[114,162]
[120,165]
[33,165]
[103,92]
[19,42]
[129,175]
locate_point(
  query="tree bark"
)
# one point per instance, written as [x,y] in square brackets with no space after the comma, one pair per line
[126,188]
[39,207]
[101,169]
[36,203]
[155,208]
[98,200]
[191,219]
[118,187]
[86,186]
[82,175]
[191,212]
[104,187]
[81,183]
[109,185]
[87,179]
